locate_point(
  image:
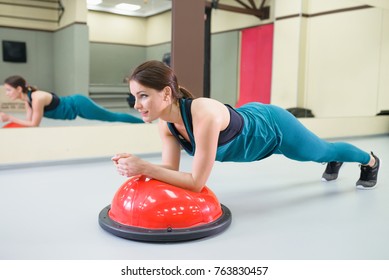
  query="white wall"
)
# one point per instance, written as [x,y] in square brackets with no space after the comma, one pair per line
[37,15]
[343,63]
[286,62]
[318,6]
[13,13]
[287,7]
[104,27]
[117,29]
[159,29]
[340,58]
[377,3]
[75,11]
[286,53]
[383,88]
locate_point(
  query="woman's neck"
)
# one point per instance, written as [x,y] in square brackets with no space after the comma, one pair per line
[23,96]
[172,114]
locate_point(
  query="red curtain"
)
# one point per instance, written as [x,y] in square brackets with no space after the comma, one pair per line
[256,65]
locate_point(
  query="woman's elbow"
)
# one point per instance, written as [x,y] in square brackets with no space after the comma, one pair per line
[196,189]
[35,123]
[197,186]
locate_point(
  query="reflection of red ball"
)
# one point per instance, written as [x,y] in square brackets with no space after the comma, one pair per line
[152,204]
[13,125]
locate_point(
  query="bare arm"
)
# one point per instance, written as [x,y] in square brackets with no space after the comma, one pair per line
[28,111]
[33,116]
[207,123]
[171,151]
[206,135]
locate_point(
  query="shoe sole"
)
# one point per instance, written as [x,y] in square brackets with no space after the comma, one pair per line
[329,180]
[325,180]
[359,187]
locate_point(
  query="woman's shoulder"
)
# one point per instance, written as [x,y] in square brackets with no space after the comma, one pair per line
[209,110]
[207,104]
[205,101]
[39,92]
[41,95]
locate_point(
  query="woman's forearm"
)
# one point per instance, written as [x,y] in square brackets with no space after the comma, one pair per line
[129,165]
[28,123]
[180,179]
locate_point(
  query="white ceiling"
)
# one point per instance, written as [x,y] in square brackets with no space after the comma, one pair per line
[148,7]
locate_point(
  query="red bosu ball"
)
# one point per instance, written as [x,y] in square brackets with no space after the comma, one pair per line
[150,210]
[13,125]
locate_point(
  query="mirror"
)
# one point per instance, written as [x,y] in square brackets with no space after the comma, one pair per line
[113,57]
[328,57]
[91,59]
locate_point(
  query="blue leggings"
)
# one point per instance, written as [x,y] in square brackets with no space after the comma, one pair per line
[300,144]
[79,105]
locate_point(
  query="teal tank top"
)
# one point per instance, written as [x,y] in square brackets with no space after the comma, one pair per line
[258,138]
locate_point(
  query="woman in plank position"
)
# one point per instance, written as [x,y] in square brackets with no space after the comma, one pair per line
[210,130]
[41,104]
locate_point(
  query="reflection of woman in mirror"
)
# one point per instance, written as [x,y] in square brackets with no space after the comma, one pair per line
[46,104]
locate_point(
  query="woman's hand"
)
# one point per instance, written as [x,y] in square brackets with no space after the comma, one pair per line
[129,165]
[4,117]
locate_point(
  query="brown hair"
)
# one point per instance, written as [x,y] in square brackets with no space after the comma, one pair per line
[157,75]
[19,81]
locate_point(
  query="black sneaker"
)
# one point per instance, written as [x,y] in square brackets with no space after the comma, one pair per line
[332,170]
[368,178]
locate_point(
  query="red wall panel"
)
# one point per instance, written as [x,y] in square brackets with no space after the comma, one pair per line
[256,65]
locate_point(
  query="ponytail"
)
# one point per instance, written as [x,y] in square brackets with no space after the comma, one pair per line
[19,81]
[31,88]
[185,93]
[157,75]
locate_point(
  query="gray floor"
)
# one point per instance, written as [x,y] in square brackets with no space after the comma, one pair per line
[281,210]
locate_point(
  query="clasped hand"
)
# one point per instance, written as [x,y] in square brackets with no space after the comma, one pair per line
[4,117]
[128,165]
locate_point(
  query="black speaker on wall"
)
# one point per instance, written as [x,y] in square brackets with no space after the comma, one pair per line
[14,51]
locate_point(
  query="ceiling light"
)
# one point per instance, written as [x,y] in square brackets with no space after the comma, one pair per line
[127,7]
[94,2]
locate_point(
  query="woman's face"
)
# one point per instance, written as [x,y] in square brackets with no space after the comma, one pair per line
[150,103]
[12,93]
